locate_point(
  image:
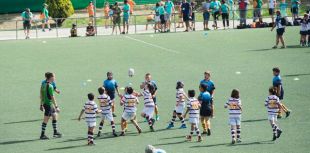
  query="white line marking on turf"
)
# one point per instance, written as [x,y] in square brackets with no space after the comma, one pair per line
[89,80]
[296,79]
[238,72]
[157,46]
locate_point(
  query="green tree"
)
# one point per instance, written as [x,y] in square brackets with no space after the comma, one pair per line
[60,9]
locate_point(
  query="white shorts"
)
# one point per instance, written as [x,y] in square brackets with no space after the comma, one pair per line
[234,121]
[157,19]
[168,17]
[194,120]
[149,111]
[91,124]
[179,109]
[128,116]
[108,117]
[272,117]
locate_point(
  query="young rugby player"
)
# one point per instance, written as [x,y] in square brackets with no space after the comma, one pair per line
[277,83]
[235,109]
[111,86]
[179,108]
[49,105]
[193,107]
[129,100]
[273,105]
[304,30]
[105,106]
[90,109]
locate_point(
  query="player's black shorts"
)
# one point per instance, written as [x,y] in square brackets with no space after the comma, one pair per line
[185,17]
[216,15]
[303,33]
[295,10]
[162,19]
[271,11]
[26,25]
[280,31]
[206,111]
[111,95]
[48,110]
[308,32]
[225,16]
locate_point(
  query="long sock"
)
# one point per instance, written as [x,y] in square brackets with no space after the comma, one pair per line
[191,133]
[182,120]
[232,133]
[238,133]
[43,128]
[100,126]
[113,126]
[197,131]
[149,120]
[54,123]
[227,22]
[274,128]
[173,119]
[90,136]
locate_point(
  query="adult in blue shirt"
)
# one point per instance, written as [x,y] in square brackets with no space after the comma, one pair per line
[210,84]
[111,86]
[186,13]
[277,83]
[148,80]
[206,109]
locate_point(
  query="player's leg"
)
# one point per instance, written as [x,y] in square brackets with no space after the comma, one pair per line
[197,129]
[134,122]
[43,127]
[57,134]
[203,124]
[238,122]
[113,108]
[183,125]
[282,41]
[100,126]
[208,125]
[189,137]
[127,27]
[91,135]
[123,122]
[174,116]
[233,133]
[156,110]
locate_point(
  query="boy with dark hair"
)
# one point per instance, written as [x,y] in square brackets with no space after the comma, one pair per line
[277,84]
[193,107]
[111,86]
[49,105]
[206,109]
[105,105]
[90,109]
[280,25]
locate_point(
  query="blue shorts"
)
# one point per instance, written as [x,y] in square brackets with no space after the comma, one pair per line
[112,95]
[206,16]
[125,19]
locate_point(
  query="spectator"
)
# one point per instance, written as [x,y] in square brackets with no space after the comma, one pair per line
[162,12]
[90,30]
[157,18]
[27,19]
[132,5]
[116,18]
[243,7]
[152,149]
[295,9]
[225,15]
[169,12]
[149,20]
[73,31]
[215,7]
[206,14]
[45,16]
[106,14]
[232,9]
[180,21]
[111,14]
[192,18]
[126,12]
[186,12]
[283,7]
[257,12]
[272,5]
[91,12]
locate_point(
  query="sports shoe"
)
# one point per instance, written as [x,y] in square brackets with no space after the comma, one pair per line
[43,30]
[44,137]
[139,130]
[194,29]
[57,135]
[153,121]
[114,134]
[152,129]
[157,118]
[279,116]
[199,138]
[282,47]
[233,141]
[183,126]
[189,138]
[209,132]
[50,29]
[99,134]
[91,143]
[274,47]
[114,115]
[239,140]
[274,137]
[287,114]
[122,134]
[170,126]
[279,132]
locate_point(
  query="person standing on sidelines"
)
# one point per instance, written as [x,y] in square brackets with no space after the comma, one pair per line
[206,14]
[215,7]
[225,15]
[91,13]
[280,25]
[49,105]
[257,12]
[295,9]
[132,5]
[27,18]
[169,13]
[46,18]
[126,14]
[272,6]
[243,8]
[186,13]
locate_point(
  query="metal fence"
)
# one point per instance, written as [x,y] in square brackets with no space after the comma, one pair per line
[137,25]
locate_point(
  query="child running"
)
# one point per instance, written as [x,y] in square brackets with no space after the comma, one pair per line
[273,105]
[178,111]
[235,109]
[129,101]
[90,109]
[193,107]
[106,110]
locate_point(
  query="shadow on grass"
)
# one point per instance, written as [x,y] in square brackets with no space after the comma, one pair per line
[295,75]
[17,141]
[294,46]
[68,147]
[256,120]
[26,121]
[235,145]
[261,50]
[182,136]
[171,143]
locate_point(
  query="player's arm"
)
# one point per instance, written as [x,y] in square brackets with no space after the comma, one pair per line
[41,99]
[226,105]
[279,90]
[212,109]
[187,110]
[81,113]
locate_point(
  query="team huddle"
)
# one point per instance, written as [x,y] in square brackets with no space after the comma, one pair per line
[200,109]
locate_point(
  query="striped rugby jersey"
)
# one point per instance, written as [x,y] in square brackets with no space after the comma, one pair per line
[180,98]
[130,102]
[148,99]
[272,103]
[90,109]
[234,106]
[193,105]
[105,103]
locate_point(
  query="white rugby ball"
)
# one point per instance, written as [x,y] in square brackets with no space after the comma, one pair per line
[131,72]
